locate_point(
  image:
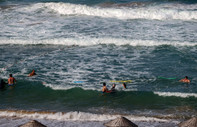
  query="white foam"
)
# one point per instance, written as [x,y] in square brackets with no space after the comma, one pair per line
[56,87]
[152,12]
[176,94]
[74,116]
[67,87]
[86,41]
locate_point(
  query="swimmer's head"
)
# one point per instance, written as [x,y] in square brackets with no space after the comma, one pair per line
[10,75]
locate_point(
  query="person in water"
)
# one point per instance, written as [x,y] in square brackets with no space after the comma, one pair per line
[113,88]
[32,73]
[124,85]
[104,89]
[2,84]
[185,80]
[11,80]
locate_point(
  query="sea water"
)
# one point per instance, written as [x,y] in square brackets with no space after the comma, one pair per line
[76,45]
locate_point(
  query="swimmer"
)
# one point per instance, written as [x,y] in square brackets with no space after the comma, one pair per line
[185,80]
[11,80]
[104,89]
[124,85]
[113,87]
[32,73]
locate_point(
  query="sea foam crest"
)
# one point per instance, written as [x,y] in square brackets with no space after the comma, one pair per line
[152,12]
[86,41]
[176,94]
[71,116]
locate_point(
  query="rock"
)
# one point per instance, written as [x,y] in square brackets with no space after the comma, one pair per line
[120,122]
[189,123]
[33,123]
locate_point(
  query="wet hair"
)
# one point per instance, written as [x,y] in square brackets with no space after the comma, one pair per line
[124,84]
[104,84]
[10,75]
[186,77]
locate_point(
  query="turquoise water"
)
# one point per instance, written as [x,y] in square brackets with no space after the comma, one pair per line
[96,42]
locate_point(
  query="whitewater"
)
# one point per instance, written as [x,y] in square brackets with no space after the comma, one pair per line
[76,46]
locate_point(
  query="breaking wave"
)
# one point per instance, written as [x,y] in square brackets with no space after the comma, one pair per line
[150,13]
[96,41]
[176,94]
[71,116]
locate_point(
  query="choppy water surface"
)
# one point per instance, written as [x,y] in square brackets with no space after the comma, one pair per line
[95,42]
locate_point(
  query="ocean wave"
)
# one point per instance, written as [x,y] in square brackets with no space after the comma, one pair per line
[164,94]
[72,116]
[61,87]
[150,13]
[176,94]
[95,41]
[84,87]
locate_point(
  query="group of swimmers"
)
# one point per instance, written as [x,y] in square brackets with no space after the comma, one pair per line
[105,90]
[12,80]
